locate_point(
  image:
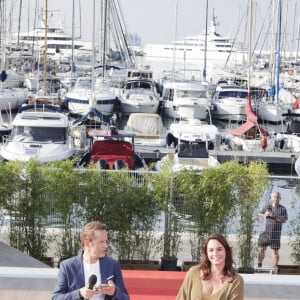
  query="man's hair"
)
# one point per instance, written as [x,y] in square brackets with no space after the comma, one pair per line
[87,231]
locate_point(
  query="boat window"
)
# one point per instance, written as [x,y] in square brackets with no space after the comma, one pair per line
[169,94]
[39,134]
[86,84]
[195,149]
[234,94]
[191,94]
[52,86]
[138,85]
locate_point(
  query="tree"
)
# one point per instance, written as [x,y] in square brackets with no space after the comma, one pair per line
[210,200]
[27,212]
[251,184]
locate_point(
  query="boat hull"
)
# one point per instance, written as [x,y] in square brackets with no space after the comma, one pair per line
[81,106]
[12,99]
[186,112]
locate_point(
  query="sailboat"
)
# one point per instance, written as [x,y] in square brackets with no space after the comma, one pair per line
[250,136]
[184,98]
[91,91]
[49,89]
[10,98]
[272,109]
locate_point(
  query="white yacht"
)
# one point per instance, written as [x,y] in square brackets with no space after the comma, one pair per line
[58,41]
[229,102]
[182,99]
[84,96]
[192,141]
[38,132]
[193,130]
[219,48]
[138,93]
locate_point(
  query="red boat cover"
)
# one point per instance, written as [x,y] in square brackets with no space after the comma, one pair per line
[250,123]
[111,151]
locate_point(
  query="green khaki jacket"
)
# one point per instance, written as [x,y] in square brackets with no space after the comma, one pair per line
[191,288]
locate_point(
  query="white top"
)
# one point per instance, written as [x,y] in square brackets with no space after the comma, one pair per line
[90,269]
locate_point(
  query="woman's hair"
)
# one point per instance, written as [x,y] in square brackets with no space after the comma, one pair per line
[87,231]
[205,264]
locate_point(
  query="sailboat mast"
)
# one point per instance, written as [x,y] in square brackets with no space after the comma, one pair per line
[73,34]
[175,39]
[105,8]
[205,43]
[298,40]
[92,101]
[19,22]
[2,39]
[80,19]
[250,32]
[278,49]
[45,48]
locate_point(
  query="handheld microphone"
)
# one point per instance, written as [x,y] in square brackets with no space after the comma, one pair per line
[92,281]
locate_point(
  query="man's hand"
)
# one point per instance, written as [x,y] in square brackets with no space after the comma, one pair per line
[108,290]
[280,219]
[269,213]
[86,293]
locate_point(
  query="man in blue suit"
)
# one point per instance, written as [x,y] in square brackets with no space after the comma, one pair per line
[75,274]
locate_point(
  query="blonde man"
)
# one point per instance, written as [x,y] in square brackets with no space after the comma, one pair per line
[91,275]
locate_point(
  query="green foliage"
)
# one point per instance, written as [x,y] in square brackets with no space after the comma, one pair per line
[27,212]
[63,188]
[9,175]
[210,199]
[165,190]
[252,184]
[124,202]
[130,203]
[294,231]
[295,241]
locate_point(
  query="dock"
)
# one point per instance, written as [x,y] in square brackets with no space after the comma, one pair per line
[278,162]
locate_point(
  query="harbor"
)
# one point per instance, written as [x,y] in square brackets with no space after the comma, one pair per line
[97,97]
[204,78]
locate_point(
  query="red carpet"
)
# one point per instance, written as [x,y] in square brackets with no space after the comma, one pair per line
[146,285]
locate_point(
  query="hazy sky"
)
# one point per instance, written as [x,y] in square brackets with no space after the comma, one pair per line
[154,20]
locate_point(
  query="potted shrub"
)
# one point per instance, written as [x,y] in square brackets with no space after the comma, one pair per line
[294,241]
[63,187]
[28,213]
[209,201]
[123,200]
[164,188]
[252,181]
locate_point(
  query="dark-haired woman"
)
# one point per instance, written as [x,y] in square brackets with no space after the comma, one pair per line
[214,278]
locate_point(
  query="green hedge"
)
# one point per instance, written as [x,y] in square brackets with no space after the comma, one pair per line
[36,196]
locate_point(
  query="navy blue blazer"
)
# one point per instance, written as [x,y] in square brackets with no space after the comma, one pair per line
[71,278]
